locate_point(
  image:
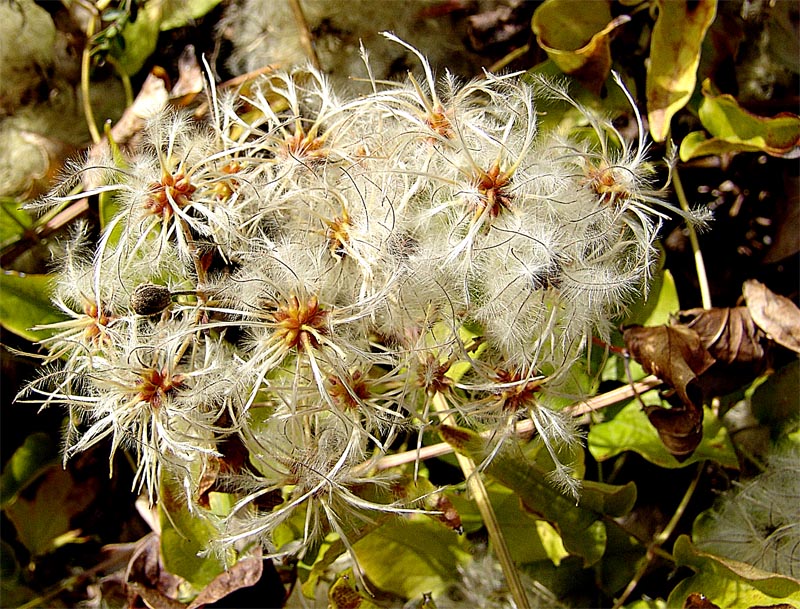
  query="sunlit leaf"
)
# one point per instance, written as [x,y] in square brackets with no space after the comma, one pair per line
[26,303]
[519,527]
[734,129]
[631,430]
[410,558]
[579,525]
[576,35]
[674,57]
[178,13]
[661,303]
[141,38]
[28,461]
[728,583]
[328,553]
[185,538]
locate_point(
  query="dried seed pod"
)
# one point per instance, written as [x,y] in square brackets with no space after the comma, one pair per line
[150,299]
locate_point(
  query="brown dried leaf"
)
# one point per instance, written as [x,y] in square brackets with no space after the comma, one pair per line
[243,574]
[680,428]
[190,78]
[147,578]
[675,354]
[776,315]
[729,334]
[697,600]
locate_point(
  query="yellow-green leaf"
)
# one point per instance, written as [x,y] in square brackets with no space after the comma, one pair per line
[576,35]
[631,430]
[727,583]
[410,558]
[674,57]
[185,538]
[178,13]
[25,303]
[734,129]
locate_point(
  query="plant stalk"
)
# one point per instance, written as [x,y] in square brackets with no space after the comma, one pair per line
[702,277]
[481,497]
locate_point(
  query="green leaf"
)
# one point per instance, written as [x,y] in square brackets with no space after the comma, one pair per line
[661,302]
[728,583]
[674,57]
[25,303]
[630,429]
[14,222]
[328,553]
[185,537]
[28,461]
[579,525]
[178,13]
[141,38]
[410,558]
[576,35]
[40,521]
[518,526]
[734,129]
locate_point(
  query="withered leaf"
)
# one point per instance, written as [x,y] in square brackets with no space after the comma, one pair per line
[698,601]
[776,315]
[680,428]
[147,578]
[675,354]
[729,334]
[246,572]
[448,515]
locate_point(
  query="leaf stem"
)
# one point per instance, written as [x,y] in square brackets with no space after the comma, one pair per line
[702,278]
[305,33]
[481,498]
[655,546]
[86,58]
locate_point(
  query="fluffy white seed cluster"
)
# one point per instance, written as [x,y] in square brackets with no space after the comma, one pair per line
[303,282]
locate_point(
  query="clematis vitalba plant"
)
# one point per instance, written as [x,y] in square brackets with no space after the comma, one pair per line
[315,282]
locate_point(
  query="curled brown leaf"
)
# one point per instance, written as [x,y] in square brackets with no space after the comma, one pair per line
[728,333]
[776,315]
[677,355]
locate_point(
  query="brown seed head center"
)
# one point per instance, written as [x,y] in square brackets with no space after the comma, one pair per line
[171,190]
[300,323]
[155,385]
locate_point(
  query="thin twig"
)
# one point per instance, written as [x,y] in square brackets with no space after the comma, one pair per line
[597,402]
[702,278]
[305,33]
[655,547]
[86,58]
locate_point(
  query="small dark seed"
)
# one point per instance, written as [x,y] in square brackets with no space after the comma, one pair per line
[150,299]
